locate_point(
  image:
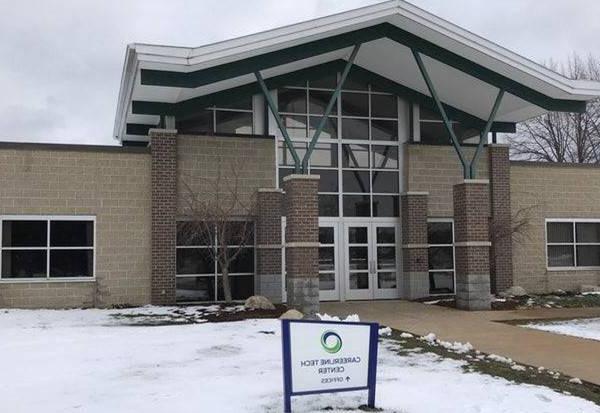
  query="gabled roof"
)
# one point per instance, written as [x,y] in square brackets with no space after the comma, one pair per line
[466,69]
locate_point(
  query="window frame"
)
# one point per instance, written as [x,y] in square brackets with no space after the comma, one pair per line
[453,245]
[216,274]
[48,248]
[574,243]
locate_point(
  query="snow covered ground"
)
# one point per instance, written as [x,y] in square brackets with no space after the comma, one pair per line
[585,328]
[89,361]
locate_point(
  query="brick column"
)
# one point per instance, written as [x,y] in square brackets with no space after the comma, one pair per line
[500,225]
[163,146]
[472,244]
[268,243]
[415,259]
[302,242]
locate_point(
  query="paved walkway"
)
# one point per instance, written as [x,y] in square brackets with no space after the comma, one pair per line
[573,356]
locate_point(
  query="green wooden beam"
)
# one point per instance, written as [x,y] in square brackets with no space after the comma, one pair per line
[384,30]
[332,101]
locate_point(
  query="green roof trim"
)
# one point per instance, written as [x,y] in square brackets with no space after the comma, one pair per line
[252,64]
[191,106]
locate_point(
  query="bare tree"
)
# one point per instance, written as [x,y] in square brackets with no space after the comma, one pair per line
[219,213]
[562,136]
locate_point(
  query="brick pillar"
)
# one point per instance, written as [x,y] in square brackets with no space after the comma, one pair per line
[268,243]
[163,146]
[500,226]
[472,244]
[302,242]
[415,259]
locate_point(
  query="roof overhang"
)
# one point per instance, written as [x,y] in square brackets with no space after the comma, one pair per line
[466,69]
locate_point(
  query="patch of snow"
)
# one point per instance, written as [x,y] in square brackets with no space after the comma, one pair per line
[406,335]
[385,331]
[591,293]
[584,328]
[518,367]
[352,318]
[575,380]
[456,347]
[499,359]
[85,361]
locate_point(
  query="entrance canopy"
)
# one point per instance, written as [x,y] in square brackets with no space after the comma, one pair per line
[468,71]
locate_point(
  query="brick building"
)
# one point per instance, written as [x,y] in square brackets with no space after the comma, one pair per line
[363,139]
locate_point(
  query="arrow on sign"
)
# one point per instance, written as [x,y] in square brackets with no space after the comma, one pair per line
[347,378]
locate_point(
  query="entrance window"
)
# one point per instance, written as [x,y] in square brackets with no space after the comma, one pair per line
[357,157]
[199,277]
[440,235]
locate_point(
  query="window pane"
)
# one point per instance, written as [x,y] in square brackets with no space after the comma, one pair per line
[386,280]
[560,256]
[439,232]
[285,155]
[588,255]
[355,104]
[357,206]
[23,264]
[441,282]
[588,232]
[194,261]
[242,287]
[385,206]
[234,122]
[385,182]
[326,235]
[24,233]
[384,130]
[324,154]
[200,124]
[328,206]
[243,262]
[386,258]
[326,259]
[356,181]
[385,157]
[355,156]
[326,82]
[560,232]
[295,125]
[71,233]
[329,130]
[195,289]
[384,106]
[318,101]
[327,281]
[71,263]
[441,258]
[190,233]
[328,181]
[357,235]
[283,172]
[434,133]
[425,113]
[238,233]
[244,103]
[291,100]
[353,83]
[359,281]
[355,129]
[386,235]
[467,135]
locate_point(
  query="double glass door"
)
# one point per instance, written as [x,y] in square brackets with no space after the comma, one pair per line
[358,260]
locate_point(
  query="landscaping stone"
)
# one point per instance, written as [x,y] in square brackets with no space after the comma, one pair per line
[292,315]
[514,291]
[589,288]
[258,302]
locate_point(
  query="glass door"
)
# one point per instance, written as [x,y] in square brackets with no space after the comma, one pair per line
[328,262]
[358,263]
[386,260]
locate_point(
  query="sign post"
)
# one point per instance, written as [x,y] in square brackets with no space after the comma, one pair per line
[327,357]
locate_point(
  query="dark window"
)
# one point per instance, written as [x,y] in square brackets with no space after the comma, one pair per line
[355,156]
[24,264]
[439,232]
[200,124]
[385,156]
[318,101]
[326,235]
[357,205]
[195,288]
[385,182]
[441,257]
[355,104]
[194,261]
[384,106]
[356,181]
[71,263]
[324,155]
[242,287]
[233,122]
[386,206]
[24,233]
[326,82]
[328,181]
[328,206]
[355,128]
[384,130]
[329,131]
[292,100]
[71,234]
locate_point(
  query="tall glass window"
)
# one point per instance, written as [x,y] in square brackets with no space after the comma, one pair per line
[440,236]
[357,156]
[231,119]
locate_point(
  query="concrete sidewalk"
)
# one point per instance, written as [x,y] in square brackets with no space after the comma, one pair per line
[570,355]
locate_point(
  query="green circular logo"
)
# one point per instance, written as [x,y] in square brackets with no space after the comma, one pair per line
[331,342]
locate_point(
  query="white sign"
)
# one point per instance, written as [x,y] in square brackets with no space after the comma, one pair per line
[329,356]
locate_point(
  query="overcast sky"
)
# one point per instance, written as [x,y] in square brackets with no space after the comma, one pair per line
[61,60]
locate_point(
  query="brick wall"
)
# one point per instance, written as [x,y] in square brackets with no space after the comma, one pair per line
[415,260]
[269,243]
[163,145]
[436,169]
[540,191]
[112,184]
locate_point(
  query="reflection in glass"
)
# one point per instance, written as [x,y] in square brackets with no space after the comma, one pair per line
[357,205]
[386,280]
[358,258]
[359,281]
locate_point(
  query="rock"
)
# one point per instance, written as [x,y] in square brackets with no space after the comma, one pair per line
[258,302]
[514,291]
[292,315]
[589,288]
